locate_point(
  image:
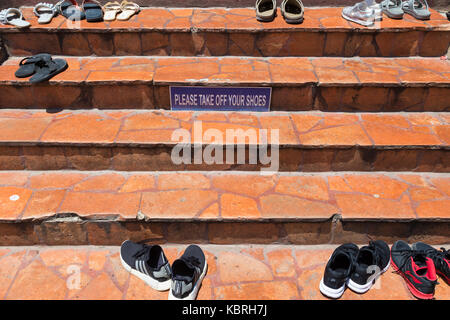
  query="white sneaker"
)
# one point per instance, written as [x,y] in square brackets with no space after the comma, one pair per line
[378,11]
[360,14]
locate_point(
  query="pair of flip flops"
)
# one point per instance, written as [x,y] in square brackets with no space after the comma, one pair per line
[292,10]
[13,17]
[395,9]
[40,67]
[120,11]
[91,10]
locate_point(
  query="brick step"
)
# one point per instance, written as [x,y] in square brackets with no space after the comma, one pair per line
[217,3]
[269,272]
[151,141]
[234,32]
[154,140]
[105,208]
[327,84]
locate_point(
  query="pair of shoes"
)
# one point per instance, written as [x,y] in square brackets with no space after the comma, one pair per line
[40,67]
[45,12]
[150,264]
[363,14]
[353,267]
[292,10]
[395,9]
[91,10]
[418,265]
[13,17]
[124,11]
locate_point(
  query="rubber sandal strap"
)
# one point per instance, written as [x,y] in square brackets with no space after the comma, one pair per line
[3,15]
[6,12]
[49,70]
[130,6]
[91,2]
[112,6]
[64,4]
[28,60]
[44,5]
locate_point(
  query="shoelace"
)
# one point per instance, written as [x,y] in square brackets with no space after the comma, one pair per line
[408,253]
[438,256]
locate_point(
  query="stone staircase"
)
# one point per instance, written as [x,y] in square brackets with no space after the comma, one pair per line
[85,159]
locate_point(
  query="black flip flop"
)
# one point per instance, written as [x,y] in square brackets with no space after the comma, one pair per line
[28,65]
[93,11]
[46,70]
[70,10]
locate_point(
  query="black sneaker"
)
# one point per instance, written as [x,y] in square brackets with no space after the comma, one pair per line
[416,268]
[148,263]
[372,261]
[338,270]
[188,274]
[441,259]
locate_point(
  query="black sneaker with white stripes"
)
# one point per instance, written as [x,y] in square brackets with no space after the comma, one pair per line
[188,274]
[148,263]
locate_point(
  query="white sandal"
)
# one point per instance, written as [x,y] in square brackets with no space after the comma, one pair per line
[111,9]
[13,17]
[45,12]
[129,9]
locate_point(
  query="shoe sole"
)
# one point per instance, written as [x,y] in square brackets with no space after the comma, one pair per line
[358,288]
[393,16]
[330,292]
[411,13]
[266,19]
[193,294]
[292,21]
[411,288]
[444,277]
[361,22]
[155,284]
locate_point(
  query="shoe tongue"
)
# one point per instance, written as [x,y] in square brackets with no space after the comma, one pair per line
[187,265]
[143,253]
[431,274]
[424,267]
[368,254]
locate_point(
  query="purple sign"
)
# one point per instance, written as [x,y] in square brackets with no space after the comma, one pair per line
[220,98]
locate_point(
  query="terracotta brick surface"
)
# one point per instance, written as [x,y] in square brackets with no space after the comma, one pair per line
[215,196]
[232,31]
[330,84]
[272,272]
[307,129]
